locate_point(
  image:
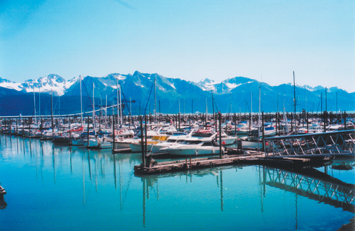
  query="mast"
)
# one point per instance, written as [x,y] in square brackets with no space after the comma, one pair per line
[81,102]
[106,111]
[93,105]
[336,102]
[277,102]
[39,101]
[206,109]
[121,104]
[34,102]
[52,110]
[251,102]
[326,99]
[179,105]
[306,101]
[285,118]
[259,124]
[155,98]
[294,93]
[118,110]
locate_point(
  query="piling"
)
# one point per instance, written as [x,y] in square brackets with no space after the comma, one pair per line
[142,141]
[145,136]
[344,120]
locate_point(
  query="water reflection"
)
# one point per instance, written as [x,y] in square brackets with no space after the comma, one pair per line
[106,178]
[3,204]
[314,185]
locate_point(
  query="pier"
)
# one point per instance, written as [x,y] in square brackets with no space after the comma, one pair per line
[295,151]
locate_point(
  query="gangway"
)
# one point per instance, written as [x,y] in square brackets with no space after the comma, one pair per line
[337,143]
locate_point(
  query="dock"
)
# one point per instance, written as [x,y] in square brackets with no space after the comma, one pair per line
[196,163]
[253,158]
[295,151]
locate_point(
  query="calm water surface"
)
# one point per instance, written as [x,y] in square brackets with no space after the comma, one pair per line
[58,187]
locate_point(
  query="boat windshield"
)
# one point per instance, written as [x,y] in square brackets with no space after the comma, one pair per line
[193,142]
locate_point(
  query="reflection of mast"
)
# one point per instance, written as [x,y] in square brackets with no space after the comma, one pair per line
[89,164]
[296,212]
[261,191]
[83,181]
[70,156]
[221,173]
[53,163]
[24,147]
[157,189]
[17,143]
[144,188]
[95,172]
[114,171]
[42,161]
[119,165]
[30,147]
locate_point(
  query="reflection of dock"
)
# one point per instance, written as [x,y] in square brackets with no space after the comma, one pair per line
[2,201]
[314,185]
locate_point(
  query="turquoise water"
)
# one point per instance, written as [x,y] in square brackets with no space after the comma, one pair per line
[70,188]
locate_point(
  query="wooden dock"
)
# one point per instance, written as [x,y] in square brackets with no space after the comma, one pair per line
[254,157]
[194,163]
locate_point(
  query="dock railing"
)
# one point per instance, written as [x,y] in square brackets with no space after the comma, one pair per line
[311,145]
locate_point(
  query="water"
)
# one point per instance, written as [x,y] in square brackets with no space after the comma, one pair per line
[70,188]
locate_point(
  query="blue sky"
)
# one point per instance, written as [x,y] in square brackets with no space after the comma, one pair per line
[183,39]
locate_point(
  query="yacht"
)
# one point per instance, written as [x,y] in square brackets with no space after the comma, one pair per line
[195,146]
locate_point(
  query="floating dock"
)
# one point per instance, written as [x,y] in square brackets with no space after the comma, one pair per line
[287,151]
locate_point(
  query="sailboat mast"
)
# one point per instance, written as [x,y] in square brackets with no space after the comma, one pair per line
[294,93]
[106,111]
[155,99]
[118,109]
[121,104]
[81,102]
[52,110]
[326,100]
[251,102]
[206,109]
[259,123]
[93,104]
[39,101]
[34,102]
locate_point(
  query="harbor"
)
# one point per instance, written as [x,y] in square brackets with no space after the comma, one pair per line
[64,180]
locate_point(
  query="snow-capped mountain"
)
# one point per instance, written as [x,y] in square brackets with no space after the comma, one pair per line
[173,95]
[225,86]
[48,83]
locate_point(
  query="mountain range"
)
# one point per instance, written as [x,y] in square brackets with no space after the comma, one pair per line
[172,95]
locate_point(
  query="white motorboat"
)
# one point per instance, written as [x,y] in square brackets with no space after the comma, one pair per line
[137,146]
[122,137]
[174,139]
[194,146]
[125,143]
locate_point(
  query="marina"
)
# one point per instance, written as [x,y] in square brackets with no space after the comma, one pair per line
[63,181]
[177,115]
[138,190]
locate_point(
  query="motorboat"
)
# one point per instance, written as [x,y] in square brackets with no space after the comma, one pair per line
[137,146]
[195,146]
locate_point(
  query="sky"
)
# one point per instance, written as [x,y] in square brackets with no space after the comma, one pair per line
[261,39]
